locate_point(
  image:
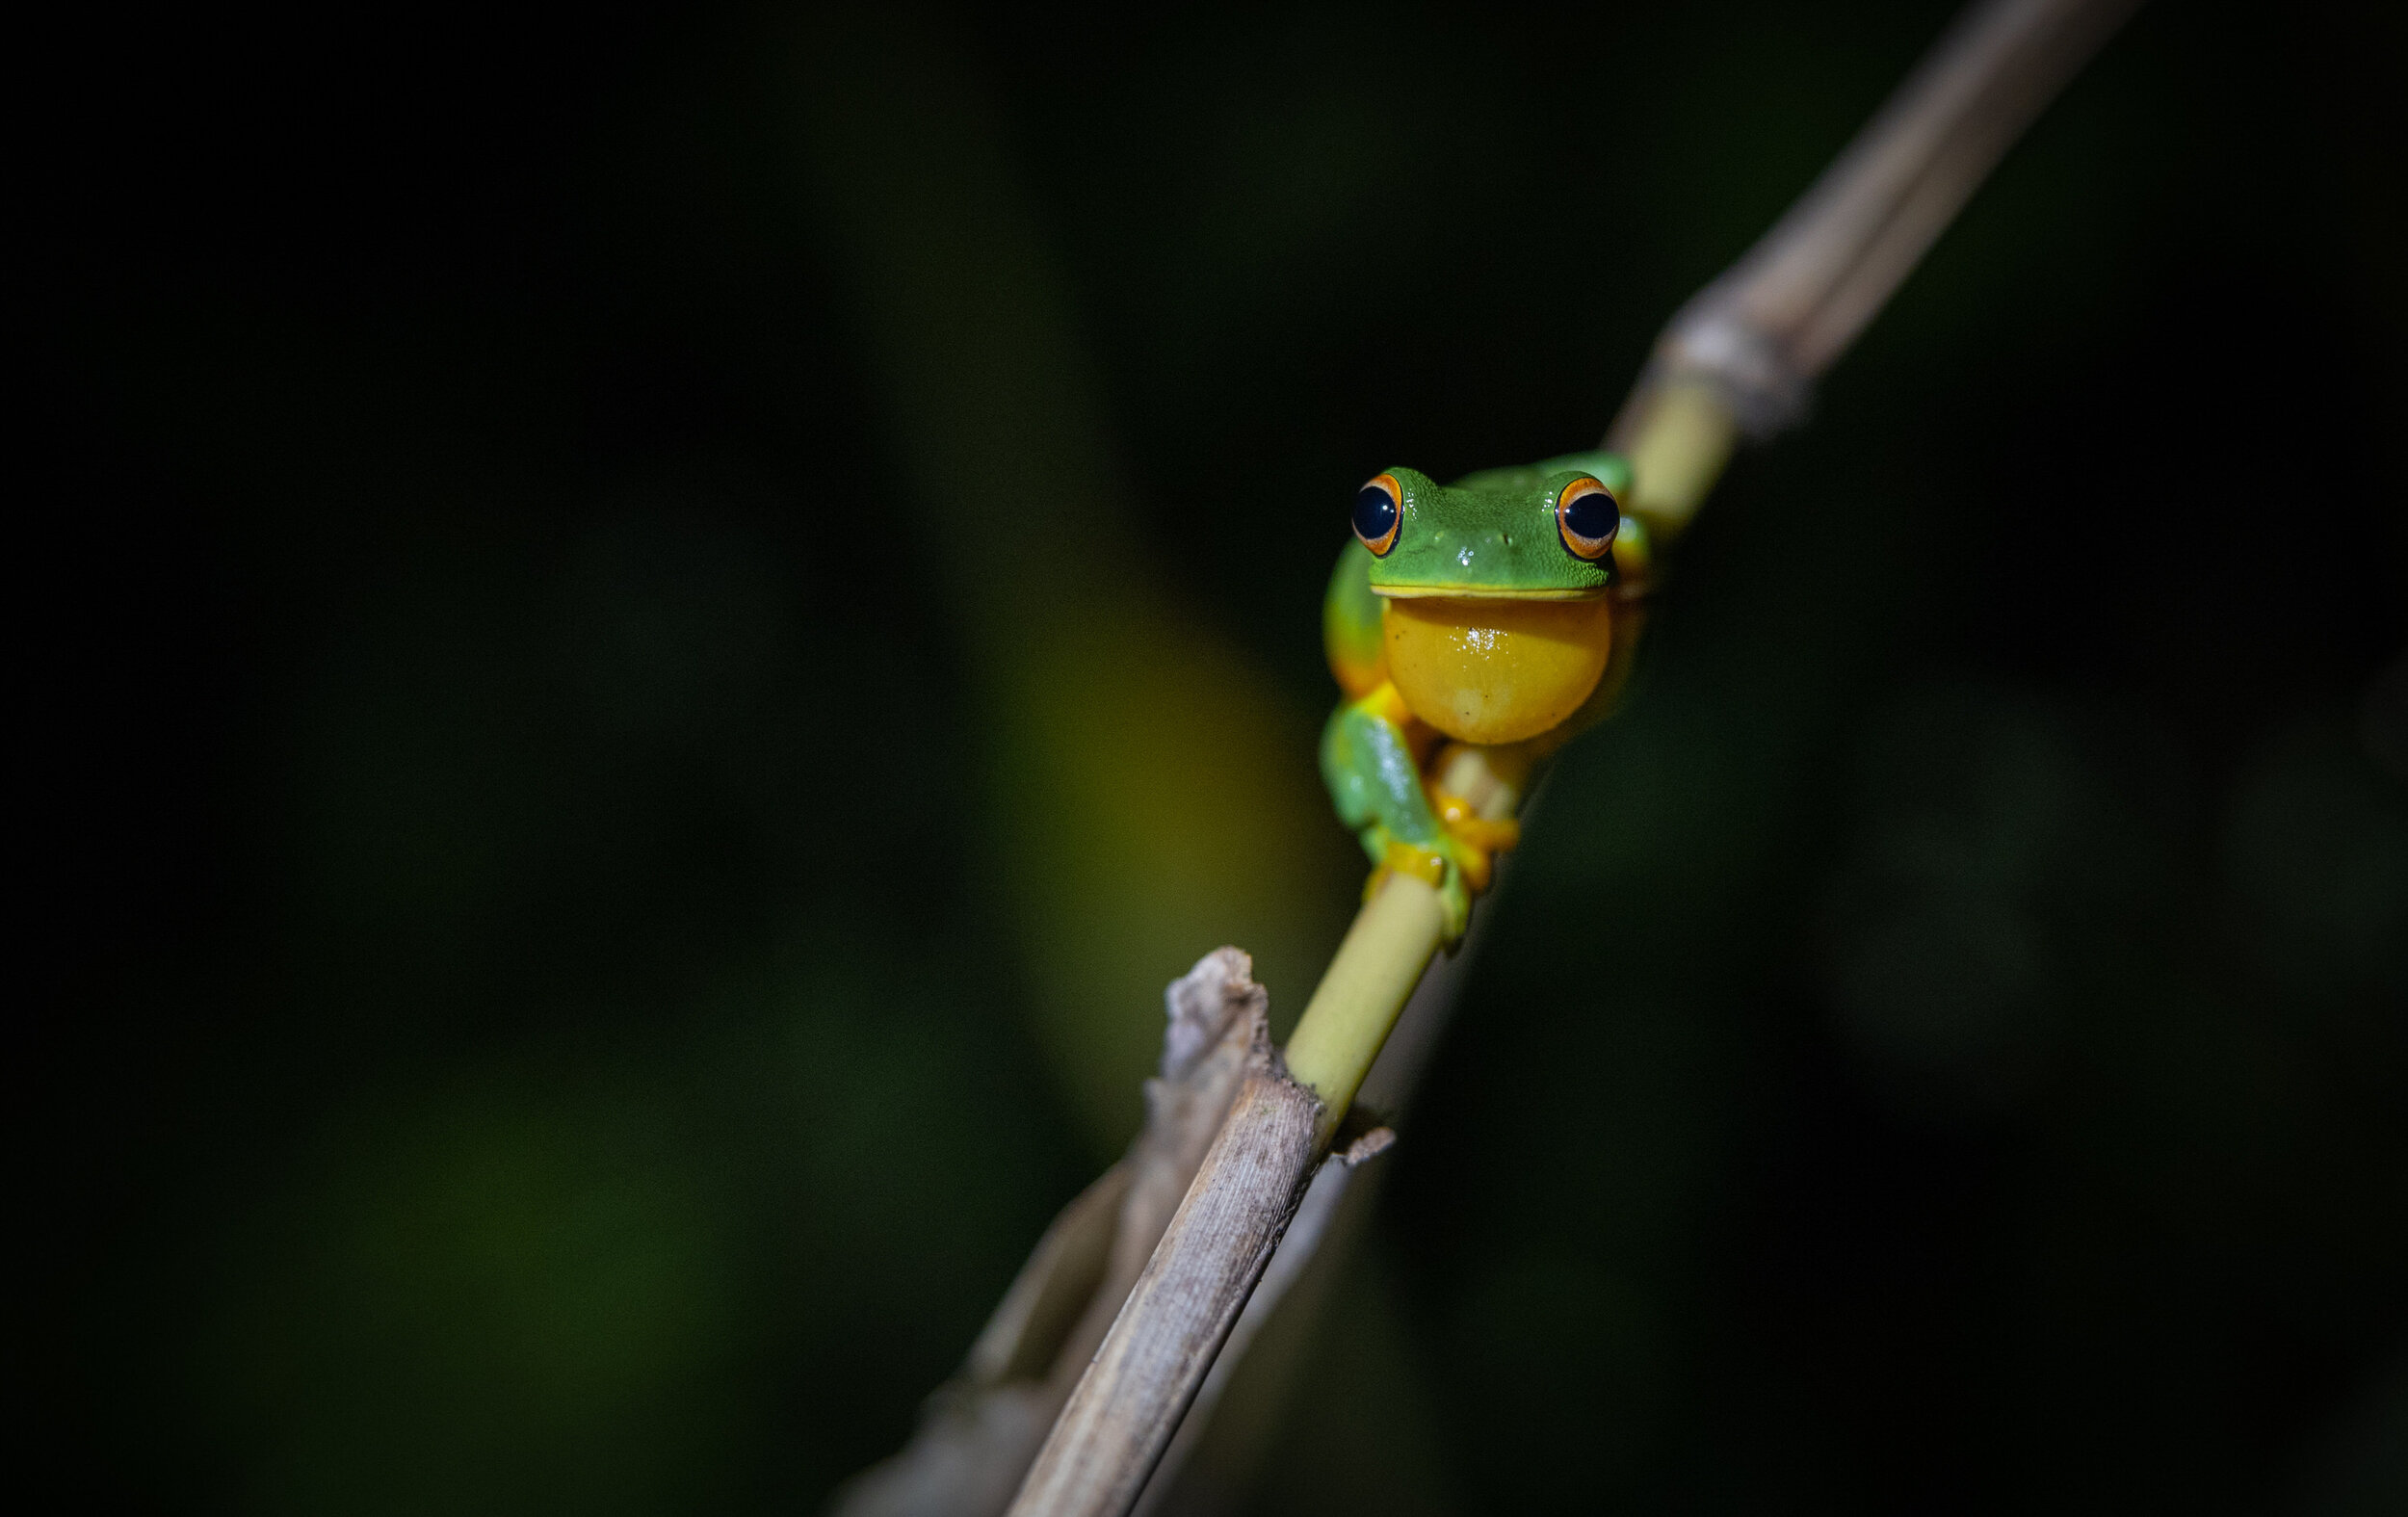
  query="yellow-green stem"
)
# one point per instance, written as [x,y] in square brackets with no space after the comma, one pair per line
[1682,434]
[1365,987]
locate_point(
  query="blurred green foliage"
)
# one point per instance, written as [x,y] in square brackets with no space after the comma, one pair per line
[616,793]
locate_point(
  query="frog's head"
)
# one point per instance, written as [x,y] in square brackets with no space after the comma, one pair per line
[1507,534]
[1496,622]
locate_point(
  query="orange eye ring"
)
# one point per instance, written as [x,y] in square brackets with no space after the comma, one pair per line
[1586,518]
[1379,514]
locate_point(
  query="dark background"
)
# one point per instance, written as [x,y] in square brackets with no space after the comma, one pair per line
[549,987]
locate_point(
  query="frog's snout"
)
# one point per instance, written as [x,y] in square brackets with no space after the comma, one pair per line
[1495,544]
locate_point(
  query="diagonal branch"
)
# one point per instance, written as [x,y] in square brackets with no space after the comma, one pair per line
[1738,361]
[1741,357]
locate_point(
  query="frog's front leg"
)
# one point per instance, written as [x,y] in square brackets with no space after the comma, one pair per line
[1372,756]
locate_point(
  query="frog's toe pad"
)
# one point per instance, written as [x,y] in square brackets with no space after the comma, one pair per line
[1473,830]
[1428,865]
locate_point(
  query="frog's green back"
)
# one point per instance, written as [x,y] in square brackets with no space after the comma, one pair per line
[1611,470]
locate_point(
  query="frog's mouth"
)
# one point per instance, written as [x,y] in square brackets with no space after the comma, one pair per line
[1487,592]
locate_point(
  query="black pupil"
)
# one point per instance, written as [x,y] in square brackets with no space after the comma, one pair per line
[1591,517]
[1374,513]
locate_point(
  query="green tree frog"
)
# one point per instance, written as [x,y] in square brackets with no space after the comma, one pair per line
[1497,614]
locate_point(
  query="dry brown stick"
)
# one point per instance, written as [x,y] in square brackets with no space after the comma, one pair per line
[981,1428]
[1164,1340]
[1168,1333]
[1741,359]
[1130,1402]
[1209,1465]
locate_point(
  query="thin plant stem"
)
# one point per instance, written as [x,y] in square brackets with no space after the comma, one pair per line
[1346,1022]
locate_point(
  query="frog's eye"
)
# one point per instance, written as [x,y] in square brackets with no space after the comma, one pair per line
[1379,512]
[1586,518]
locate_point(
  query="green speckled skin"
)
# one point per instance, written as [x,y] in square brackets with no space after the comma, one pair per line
[1493,533]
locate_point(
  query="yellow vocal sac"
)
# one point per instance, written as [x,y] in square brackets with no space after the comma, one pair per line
[1493,670]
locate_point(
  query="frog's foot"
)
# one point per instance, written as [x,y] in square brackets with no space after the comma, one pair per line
[1441,868]
[1475,840]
